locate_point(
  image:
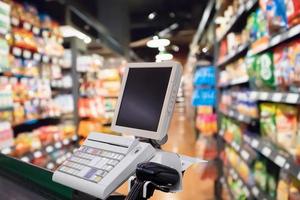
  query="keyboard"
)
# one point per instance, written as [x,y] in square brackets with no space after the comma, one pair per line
[102,164]
[91,164]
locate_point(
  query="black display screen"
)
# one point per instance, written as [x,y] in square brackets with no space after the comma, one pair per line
[143,98]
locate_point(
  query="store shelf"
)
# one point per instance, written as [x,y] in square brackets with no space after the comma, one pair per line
[232,56]
[240,181]
[6,109]
[28,54]
[62,89]
[250,190]
[244,151]
[224,181]
[242,10]
[238,116]
[276,40]
[48,149]
[283,97]
[44,32]
[280,158]
[238,81]
[32,122]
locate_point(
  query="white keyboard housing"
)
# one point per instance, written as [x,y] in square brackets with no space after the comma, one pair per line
[102,164]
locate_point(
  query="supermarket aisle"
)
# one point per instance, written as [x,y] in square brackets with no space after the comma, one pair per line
[182,140]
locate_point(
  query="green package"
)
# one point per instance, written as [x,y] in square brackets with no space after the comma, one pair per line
[260,174]
[251,70]
[265,71]
[267,121]
[272,186]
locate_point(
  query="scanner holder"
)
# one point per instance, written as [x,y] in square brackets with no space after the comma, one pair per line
[178,162]
[148,188]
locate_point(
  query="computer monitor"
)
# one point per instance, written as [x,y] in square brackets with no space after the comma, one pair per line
[146,101]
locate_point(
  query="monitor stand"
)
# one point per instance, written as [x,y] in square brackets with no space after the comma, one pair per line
[155,143]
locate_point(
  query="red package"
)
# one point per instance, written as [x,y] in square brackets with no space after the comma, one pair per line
[293,11]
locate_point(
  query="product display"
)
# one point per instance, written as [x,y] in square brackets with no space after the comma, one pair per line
[204,98]
[98,94]
[32,57]
[259,118]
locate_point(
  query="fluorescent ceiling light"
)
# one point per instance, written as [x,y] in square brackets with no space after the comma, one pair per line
[69,31]
[163,56]
[152,15]
[158,42]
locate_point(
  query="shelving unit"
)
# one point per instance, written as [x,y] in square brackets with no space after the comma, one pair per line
[251,146]
[243,10]
[229,58]
[252,192]
[276,40]
[238,116]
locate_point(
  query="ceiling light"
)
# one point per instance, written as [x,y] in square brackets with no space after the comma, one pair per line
[204,50]
[152,15]
[164,56]
[158,42]
[175,48]
[69,31]
[172,15]
[174,26]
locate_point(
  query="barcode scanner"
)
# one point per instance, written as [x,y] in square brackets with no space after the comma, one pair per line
[160,176]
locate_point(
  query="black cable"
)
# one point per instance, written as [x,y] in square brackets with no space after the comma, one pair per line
[136,191]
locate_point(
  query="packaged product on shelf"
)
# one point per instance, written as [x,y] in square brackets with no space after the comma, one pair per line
[294,190]
[207,124]
[265,71]
[24,39]
[282,67]
[68,130]
[18,113]
[31,110]
[293,11]
[26,142]
[286,125]
[5,17]
[204,97]
[205,76]
[65,103]
[6,135]
[252,26]
[283,187]
[223,49]
[41,161]
[250,62]
[272,179]
[4,53]
[260,174]
[267,121]
[6,95]
[294,63]
[87,126]
[261,23]
[275,12]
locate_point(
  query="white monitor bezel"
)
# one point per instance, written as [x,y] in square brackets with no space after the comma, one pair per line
[165,116]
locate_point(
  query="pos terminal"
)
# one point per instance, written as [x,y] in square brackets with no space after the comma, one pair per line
[144,109]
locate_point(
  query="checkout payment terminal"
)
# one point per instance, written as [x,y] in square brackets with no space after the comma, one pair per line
[144,109]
